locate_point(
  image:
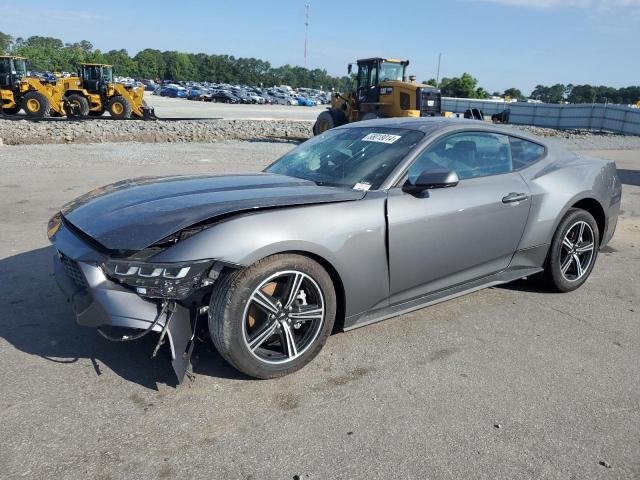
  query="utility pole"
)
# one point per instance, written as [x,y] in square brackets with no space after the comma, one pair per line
[438,71]
[306,31]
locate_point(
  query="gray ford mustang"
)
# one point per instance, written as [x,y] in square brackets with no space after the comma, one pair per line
[362,223]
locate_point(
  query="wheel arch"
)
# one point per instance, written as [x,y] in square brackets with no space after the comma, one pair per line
[584,201]
[594,207]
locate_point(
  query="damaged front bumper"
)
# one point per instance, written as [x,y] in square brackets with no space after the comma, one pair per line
[99,302]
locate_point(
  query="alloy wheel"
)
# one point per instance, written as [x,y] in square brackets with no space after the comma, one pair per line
[283,317]
[577,252]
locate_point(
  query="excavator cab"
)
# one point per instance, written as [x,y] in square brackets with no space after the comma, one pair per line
[95,77]
[373,71]
[12,70]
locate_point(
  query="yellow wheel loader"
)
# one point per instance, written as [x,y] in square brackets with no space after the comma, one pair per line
[95,92]
[18,91]
[381,91]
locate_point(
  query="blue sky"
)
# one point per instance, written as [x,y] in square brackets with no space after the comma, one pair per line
[503,43]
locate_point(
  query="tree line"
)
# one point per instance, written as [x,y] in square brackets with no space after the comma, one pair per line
[52,54]
[466,86]
[586,94]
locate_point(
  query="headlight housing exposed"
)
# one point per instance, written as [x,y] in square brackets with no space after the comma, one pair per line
[386,90]
[161,280]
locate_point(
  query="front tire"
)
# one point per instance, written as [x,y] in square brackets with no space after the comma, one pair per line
[274,317]
[119,107]
[35,104]
[573,251]
[80,103]
[329,119]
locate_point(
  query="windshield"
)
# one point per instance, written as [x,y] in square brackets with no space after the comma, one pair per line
[359,158]
[107,74]
[391,71]
[21,67]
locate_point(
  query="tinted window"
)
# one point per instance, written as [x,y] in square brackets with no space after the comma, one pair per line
[5,65]
[524,153]
[468,154]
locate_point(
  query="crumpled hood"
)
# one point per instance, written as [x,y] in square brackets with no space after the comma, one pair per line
[134,214]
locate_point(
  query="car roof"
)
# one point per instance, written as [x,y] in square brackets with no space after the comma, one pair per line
[432,125]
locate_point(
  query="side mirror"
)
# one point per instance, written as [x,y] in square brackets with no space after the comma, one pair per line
[430,179]
[349,68]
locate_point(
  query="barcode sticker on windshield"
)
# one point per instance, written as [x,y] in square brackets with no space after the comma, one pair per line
[381,138]
[362,186]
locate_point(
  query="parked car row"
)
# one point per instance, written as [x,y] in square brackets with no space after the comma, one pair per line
[225,93]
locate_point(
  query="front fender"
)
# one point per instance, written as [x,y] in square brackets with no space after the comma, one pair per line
[350,236]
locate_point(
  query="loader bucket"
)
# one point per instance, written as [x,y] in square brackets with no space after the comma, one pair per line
[148,113]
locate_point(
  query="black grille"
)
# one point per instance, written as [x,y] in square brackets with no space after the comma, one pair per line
[430,102]
[73,271]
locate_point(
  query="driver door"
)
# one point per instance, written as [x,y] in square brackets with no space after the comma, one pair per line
[448,236]
[368,83]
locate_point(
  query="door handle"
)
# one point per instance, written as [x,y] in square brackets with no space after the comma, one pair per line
[514,197]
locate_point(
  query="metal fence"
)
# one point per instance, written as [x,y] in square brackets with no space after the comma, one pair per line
[611,118]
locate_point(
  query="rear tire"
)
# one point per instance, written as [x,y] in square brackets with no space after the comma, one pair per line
[237,321]
[573,252]
[81,104]
[35,104]
[119,107]
[329,119]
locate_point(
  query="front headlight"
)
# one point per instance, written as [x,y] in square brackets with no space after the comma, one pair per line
[161,280]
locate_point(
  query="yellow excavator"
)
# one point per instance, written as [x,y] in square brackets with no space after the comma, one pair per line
[382,91]
[92,93]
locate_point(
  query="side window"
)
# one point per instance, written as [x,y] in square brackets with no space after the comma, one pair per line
[470,155]
[363,76]
[373,80]
[524,153]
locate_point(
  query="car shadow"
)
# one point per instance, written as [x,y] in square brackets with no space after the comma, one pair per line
[531,285]
[629,177]
[36,319]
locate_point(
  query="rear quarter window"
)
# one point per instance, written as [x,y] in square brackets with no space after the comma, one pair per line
[525,153]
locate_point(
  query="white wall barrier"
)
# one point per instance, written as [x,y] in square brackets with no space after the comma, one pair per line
[611,118]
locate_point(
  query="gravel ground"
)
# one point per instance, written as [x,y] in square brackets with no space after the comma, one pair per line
[24,132]
[503,383]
